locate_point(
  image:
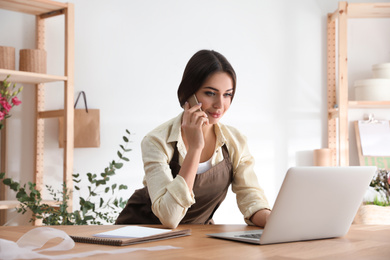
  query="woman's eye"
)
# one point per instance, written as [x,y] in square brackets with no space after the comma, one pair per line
[209,93]
[228,94]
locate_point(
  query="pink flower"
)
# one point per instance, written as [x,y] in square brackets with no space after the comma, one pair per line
[16,101]
[2,115]
[5,104]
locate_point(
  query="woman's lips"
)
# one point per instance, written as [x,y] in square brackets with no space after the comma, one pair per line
[215,115]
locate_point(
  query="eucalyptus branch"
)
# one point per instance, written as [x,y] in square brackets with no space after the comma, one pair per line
[90,212]
[87,208]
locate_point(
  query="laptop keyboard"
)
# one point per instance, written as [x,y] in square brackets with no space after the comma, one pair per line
[252,236]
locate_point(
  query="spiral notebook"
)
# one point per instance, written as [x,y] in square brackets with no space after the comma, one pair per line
[127,235]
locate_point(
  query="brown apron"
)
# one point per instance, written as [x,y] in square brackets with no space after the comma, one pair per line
[210,189]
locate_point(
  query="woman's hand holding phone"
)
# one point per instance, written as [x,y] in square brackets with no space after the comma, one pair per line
[193,101]
[193,121]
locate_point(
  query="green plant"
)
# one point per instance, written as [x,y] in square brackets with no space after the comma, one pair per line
[93,208]
[381,184]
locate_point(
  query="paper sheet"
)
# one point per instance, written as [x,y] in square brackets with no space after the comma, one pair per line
[375,138]
[132,232]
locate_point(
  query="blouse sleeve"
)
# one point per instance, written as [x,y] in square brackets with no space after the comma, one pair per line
[170,196]
[250,196]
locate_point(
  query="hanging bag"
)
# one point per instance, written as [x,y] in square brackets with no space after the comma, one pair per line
[86,126]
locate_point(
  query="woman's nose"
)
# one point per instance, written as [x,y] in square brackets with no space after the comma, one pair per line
[218,102]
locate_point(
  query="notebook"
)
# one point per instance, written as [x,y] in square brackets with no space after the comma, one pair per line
[125,235]
[313,203]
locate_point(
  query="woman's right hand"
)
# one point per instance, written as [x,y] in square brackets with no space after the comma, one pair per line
[192,126]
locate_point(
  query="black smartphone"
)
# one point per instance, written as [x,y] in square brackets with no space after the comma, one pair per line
[193,101]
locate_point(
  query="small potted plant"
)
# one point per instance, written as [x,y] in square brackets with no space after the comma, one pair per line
[377,211]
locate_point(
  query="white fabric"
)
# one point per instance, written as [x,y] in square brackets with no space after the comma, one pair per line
[25,247]
[204,166]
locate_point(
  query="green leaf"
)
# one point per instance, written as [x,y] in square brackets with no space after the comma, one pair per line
[124,149]
[2,175]
[110,173]
[116,202]
[125,139]
[15,186]
[7,181]
[21,195]
[100,182]
[118,165]
[119,154]
[122,187]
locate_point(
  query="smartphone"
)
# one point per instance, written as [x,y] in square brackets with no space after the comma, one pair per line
[193,101]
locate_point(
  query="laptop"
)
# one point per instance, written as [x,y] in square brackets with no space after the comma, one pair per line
[313,203]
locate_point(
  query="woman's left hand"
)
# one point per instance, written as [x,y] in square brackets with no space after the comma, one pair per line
[260,217]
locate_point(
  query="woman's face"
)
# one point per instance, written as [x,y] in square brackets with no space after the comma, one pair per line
[216,95]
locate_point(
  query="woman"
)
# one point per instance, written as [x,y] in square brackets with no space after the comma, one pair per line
[191,160]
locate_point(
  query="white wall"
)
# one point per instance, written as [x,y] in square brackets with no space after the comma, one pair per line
[130,56]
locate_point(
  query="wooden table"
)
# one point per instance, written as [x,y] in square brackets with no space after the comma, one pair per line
[361,242]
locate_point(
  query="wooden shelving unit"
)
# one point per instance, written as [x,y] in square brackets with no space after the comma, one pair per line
[337,70]
[30,77]
[43,9]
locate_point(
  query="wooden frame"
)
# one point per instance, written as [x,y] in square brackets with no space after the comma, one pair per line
[44,9]
[338,124]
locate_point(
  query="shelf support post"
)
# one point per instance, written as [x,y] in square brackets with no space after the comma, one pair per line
[331,87]
[40,106]
[3,168]
[343,86]
[69,101]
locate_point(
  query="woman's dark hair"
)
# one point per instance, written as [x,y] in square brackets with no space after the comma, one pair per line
[202,65]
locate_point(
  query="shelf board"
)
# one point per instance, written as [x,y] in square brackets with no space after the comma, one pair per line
[51,114]
[29,77]
[334,112]
[364,10]
[11,204]
[35,7]
[368,10]
[8,204]
[369,104]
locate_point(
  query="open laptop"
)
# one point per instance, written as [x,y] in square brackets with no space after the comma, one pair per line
[313,203]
